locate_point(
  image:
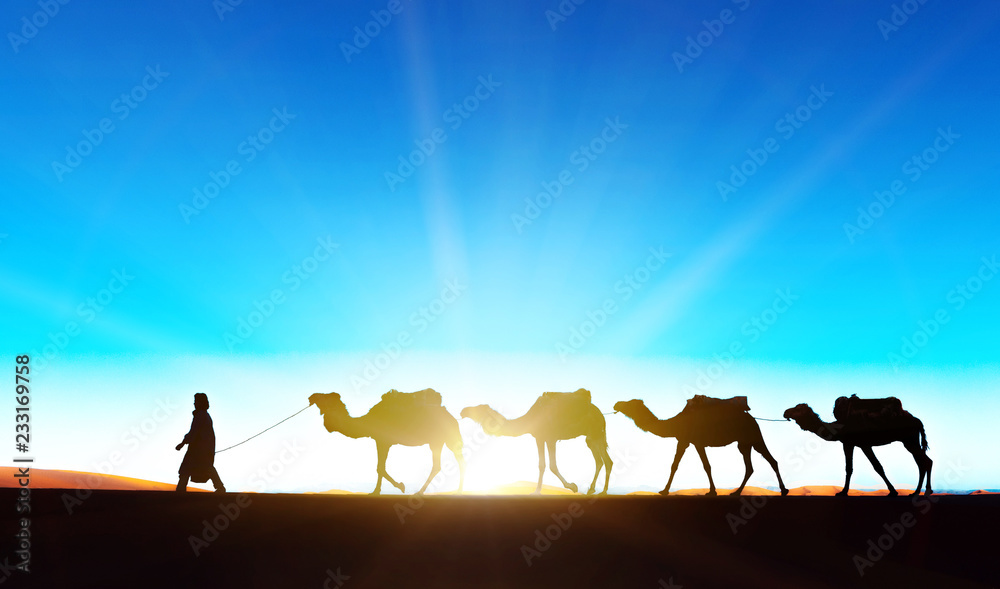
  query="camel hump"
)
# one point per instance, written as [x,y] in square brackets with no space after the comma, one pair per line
[423,397]
[577,396]
[702,401]
[854,408]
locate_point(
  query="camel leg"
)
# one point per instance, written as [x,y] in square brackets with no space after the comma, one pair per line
[763,451]
[708,469]
[673,468]
[608,464]
[383,453]
[599,447]
[541,465]
[456,448]
[848,467]
[435,467]
[745,451]
[924,463]
[878,468]
[555,469]
[598,463]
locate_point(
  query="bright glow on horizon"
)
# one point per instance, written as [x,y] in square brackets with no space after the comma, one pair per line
[249,394]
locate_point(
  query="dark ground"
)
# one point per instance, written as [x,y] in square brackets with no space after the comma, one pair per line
[142,539]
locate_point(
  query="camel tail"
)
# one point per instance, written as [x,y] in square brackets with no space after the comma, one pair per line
[923,439]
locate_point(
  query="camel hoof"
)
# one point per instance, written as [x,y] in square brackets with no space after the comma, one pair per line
[711,493]
[591,490]
[842,493]
[892,493]
[784,492]
[664,492]
[573,487]
[402,488]
[536,492]
[735,493]
[928,492]
[374,493]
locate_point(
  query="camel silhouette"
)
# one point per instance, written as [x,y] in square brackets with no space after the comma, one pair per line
[710,426]
[866,432]
[554,417]
[408,419]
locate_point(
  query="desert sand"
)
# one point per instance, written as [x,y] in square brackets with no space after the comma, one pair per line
[147,538]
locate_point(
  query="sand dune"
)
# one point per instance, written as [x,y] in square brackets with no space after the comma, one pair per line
[71,479]
[150,539]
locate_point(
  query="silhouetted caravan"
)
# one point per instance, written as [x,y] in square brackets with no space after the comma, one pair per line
[199,460]
[706,422]
[408,419]
[866,423]
[554,417]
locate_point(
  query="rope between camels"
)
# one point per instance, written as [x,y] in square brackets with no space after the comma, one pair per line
[765,419]
[262,431]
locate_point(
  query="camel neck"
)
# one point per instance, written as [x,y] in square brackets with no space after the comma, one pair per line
[819,427]
[353,427]
[646,421]
[514,427]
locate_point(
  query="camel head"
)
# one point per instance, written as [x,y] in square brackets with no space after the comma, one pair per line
[631,408]
[485,416]
[799,413]
[330,407]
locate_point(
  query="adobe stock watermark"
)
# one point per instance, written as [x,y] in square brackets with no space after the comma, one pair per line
[132,438]
[31,25]
[753,329]
[333,580]
[711,30]
[364,35]
[580,160]
[294,277]
[624,290]
[87,312]
[751,506]
[563,10]
[914,168]
[958,297]
[223,7]
[892,532]
[420,320]
[445,479]
[544,537]
[263,477]
[899,16]
[229,512]
[786,127]
[249,148]
[454,117]
[122,106]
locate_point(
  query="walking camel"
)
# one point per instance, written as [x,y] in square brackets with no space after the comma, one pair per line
[408,419]
[879,422]
[705,423]
[554,417]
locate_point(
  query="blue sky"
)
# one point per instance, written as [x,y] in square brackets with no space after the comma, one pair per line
[525,288]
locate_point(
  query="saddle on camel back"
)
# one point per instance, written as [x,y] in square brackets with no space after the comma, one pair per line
[856,409]
[581,396]
[699,402]
[425,397]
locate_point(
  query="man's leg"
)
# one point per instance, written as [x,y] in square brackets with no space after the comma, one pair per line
[182,483]
[217,482]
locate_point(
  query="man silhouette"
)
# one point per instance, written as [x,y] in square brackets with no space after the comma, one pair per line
[199,461]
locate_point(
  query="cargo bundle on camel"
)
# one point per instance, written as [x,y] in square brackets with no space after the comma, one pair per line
[706,422]
[866,423]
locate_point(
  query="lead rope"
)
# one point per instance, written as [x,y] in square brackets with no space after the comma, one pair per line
[272,427]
